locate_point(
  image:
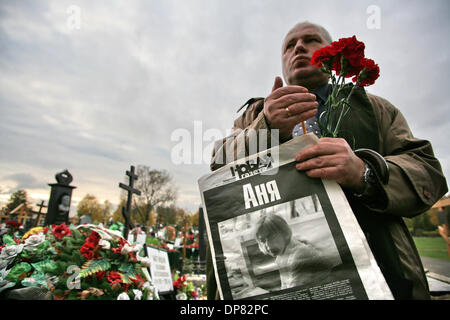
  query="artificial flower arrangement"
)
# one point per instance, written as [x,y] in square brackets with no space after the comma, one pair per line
[186,289]
[341,60]
[86,262]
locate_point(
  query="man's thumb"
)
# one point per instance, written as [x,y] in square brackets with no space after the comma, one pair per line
[277,84]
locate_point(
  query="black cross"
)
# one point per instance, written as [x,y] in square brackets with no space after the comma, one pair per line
[126,212]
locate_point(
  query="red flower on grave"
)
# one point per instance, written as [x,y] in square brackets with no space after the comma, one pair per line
[114,277]
[60,231]
[90,246]
[138,280]
[100,275]
[179,282]
[118,250]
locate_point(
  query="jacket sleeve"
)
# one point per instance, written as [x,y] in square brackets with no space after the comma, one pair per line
[250,134]
[416,180]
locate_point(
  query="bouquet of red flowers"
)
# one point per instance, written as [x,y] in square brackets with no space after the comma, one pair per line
[343,59]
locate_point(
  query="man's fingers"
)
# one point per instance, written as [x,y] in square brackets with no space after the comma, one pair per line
[299,117]
[324,173]
[320,162]
[302,107]
[277,84]
[281,91]
[320,149]
[292,98]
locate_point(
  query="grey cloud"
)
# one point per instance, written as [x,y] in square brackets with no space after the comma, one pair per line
[98,99]
[24,181]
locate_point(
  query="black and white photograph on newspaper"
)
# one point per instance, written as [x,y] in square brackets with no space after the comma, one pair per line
[277,236]
[281,247]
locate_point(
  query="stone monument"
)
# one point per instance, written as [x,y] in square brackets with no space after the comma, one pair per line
[60,198]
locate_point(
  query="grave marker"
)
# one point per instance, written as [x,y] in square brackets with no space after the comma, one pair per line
[126,211]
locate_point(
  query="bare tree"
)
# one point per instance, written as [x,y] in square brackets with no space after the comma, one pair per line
[156,188]
[106,208]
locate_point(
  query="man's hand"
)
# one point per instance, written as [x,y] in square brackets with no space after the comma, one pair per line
[332,158]
[302,106]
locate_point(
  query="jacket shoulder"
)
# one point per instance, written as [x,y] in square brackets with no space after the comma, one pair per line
[253,107]
[381,105]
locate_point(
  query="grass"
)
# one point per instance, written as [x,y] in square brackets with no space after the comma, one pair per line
[432,247]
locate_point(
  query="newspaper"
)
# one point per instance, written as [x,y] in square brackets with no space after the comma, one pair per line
[275,233]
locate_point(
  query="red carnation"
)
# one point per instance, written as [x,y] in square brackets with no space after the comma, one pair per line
[350,53]
[346,58]
[60,231]
[194,294]
[94,237]
[138,280]
[324,57]
[179,282]
[369,73]
[118,250]
[88,249]
[100,275]
[114,277]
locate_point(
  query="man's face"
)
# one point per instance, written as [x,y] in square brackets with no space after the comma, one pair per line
[298,48]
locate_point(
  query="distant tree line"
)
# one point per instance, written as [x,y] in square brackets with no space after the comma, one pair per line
[424,224]
[155,205]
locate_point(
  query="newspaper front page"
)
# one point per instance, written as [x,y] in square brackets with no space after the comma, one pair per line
[275,233]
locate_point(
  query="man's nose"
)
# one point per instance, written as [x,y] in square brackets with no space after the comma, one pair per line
[300,47]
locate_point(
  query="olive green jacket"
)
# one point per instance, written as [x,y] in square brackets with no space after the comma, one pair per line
[416,182]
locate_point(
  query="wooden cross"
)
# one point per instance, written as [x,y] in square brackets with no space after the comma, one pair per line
[3,216]
[22,213]
[126,212]
[40,205]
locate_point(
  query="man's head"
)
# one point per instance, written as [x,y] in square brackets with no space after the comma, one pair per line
[273,234]
[298,47]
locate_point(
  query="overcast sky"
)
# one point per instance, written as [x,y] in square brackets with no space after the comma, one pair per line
[109,94]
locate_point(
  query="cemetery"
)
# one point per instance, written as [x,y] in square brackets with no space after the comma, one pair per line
[44,256]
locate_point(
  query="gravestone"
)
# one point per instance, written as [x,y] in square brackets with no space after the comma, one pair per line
[85,219]
[60,198]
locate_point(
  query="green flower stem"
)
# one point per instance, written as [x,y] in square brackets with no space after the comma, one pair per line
[345,105]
